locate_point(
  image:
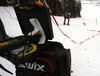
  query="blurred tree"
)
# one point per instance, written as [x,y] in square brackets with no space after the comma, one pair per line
[73,7]
[60,7]
[55,6]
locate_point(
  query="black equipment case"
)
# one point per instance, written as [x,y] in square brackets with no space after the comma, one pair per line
[47,59]
[50,59]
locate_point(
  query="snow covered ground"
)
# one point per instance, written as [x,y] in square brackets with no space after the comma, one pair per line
[85,56]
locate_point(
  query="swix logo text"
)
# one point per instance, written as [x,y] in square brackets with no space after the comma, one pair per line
[33,66]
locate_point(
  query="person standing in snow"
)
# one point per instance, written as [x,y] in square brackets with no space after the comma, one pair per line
[67,15]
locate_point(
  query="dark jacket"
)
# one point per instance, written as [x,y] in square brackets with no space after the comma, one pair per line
[67,15]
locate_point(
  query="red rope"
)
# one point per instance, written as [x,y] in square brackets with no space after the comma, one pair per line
[93,30]
[54,19]
[89,38]
[60,29]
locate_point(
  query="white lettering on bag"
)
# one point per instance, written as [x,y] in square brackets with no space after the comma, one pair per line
[33,66]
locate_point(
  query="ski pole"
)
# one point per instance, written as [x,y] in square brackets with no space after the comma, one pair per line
[51,13]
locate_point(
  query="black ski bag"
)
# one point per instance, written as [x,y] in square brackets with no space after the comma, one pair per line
[47,59]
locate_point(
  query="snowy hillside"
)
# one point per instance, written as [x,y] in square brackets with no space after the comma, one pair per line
[85,56]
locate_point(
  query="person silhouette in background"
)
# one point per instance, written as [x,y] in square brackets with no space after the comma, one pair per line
[67,16]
